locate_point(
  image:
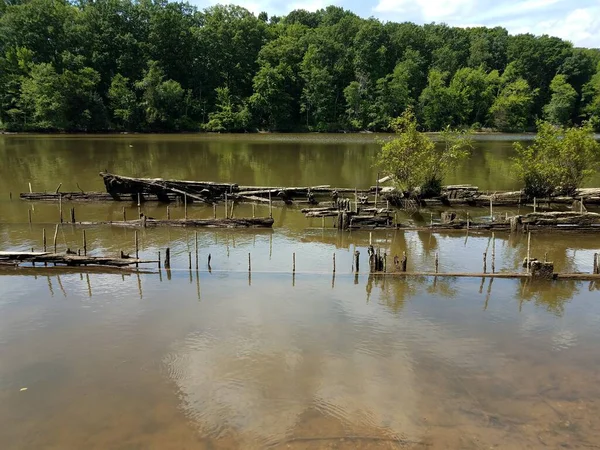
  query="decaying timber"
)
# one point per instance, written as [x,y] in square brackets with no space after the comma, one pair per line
[203,191]
[120,187]
[253,222]
[85,197]
[552,221]
[211,192]
[17,258]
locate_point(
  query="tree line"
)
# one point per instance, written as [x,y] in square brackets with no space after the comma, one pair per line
[159,66]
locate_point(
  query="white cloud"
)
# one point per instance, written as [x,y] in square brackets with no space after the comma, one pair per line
[312,5]
[429,10]
[575,20]
[581,26]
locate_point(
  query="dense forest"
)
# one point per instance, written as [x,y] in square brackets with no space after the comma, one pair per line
[159,66]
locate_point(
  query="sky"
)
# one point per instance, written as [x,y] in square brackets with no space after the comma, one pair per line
[575,20]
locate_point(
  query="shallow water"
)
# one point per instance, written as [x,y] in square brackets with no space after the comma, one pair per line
[227,359]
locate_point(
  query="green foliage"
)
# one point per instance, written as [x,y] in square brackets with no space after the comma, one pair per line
[558,160]
[271,101]
[230,115]
[163,102]
[591,99]
[562,105]
[437,103]
[416,163]
[511,111]
[42,98]
[159,66]
[123,102]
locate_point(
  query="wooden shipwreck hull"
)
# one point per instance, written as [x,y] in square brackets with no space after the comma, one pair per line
[119,186]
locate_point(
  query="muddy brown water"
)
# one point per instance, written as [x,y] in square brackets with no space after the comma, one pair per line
[224,359]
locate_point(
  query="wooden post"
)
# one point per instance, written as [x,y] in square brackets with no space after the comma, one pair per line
[249,263]
[528,252]
[55,236]
[357,260]
[214,210]
[232,205]
[253,210]
[168,213]
[493,253]
[370,238]
[29,214]
[30,190]
[60,207]
[431,223]
[581,206]
[190,261]
[226,209]
[185,206]
[384,262]
[468,221]
[376,189]
[437,262]
[355,200]
[139,206]
[137,249]
[534,204]
[168,258]
[85,244]
[294,262]
[596,269]
[196,237]
[270,206]
[159,262]
[124,215]
[334,263]
[44,238]
[491,209]
[485,262]
[404,262]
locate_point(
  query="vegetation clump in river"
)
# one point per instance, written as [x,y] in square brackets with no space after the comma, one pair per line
[416,164]
[558,161]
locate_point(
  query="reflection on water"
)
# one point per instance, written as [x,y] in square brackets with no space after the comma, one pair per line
[270,365]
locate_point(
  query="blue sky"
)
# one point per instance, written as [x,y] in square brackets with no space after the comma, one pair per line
[575,20]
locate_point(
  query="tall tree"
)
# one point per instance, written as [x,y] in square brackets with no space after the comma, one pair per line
[562,104]
[437,103]
[511,110]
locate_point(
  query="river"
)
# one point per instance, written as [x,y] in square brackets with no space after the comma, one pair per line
[227,359]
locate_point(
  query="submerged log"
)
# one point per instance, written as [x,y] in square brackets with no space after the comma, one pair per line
[257,222]
[84,197]
[68,259]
